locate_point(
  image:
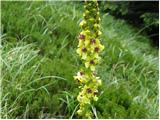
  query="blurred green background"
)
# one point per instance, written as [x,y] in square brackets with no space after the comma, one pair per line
[39,58]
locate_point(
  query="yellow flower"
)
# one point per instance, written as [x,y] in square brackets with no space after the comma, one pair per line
[79,51]
[82,52]
[86,42]
[83,23]
[82,36]
[96,46]
[81,43]
[89,47]
[80,77]
[90,63]
[101,47]
[94,42]
[84,56]
[83,99]
[87,32]
[96,56]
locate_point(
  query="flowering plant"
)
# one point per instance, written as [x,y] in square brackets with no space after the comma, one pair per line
[89,47]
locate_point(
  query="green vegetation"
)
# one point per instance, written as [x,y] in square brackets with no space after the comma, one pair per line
[143,14]
[39,58]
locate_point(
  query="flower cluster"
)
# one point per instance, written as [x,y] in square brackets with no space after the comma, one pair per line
[89,47]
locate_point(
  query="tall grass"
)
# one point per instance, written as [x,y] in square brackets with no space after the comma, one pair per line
[39,60]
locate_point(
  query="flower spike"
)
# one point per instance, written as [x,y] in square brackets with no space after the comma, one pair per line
[89,48]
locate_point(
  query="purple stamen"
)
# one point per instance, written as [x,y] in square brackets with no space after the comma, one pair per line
[93,41]
[81,73]
[92,62]
[96,49]
[89,90]
[81,36]
[84,50]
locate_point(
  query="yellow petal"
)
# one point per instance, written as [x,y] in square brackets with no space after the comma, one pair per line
[97,41]
[79,51]
[84,56]
[82,23]
[92,48]
[101,47]
[92,68]
[96,55]
[86,42]
[86,64]
[75,77]
[99,82]
[80,98]
[80,44]
[87,32]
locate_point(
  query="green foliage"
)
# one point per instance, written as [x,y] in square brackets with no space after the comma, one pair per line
[115,7]
[150,19]
[115,102]
[144,15]
[39,60]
